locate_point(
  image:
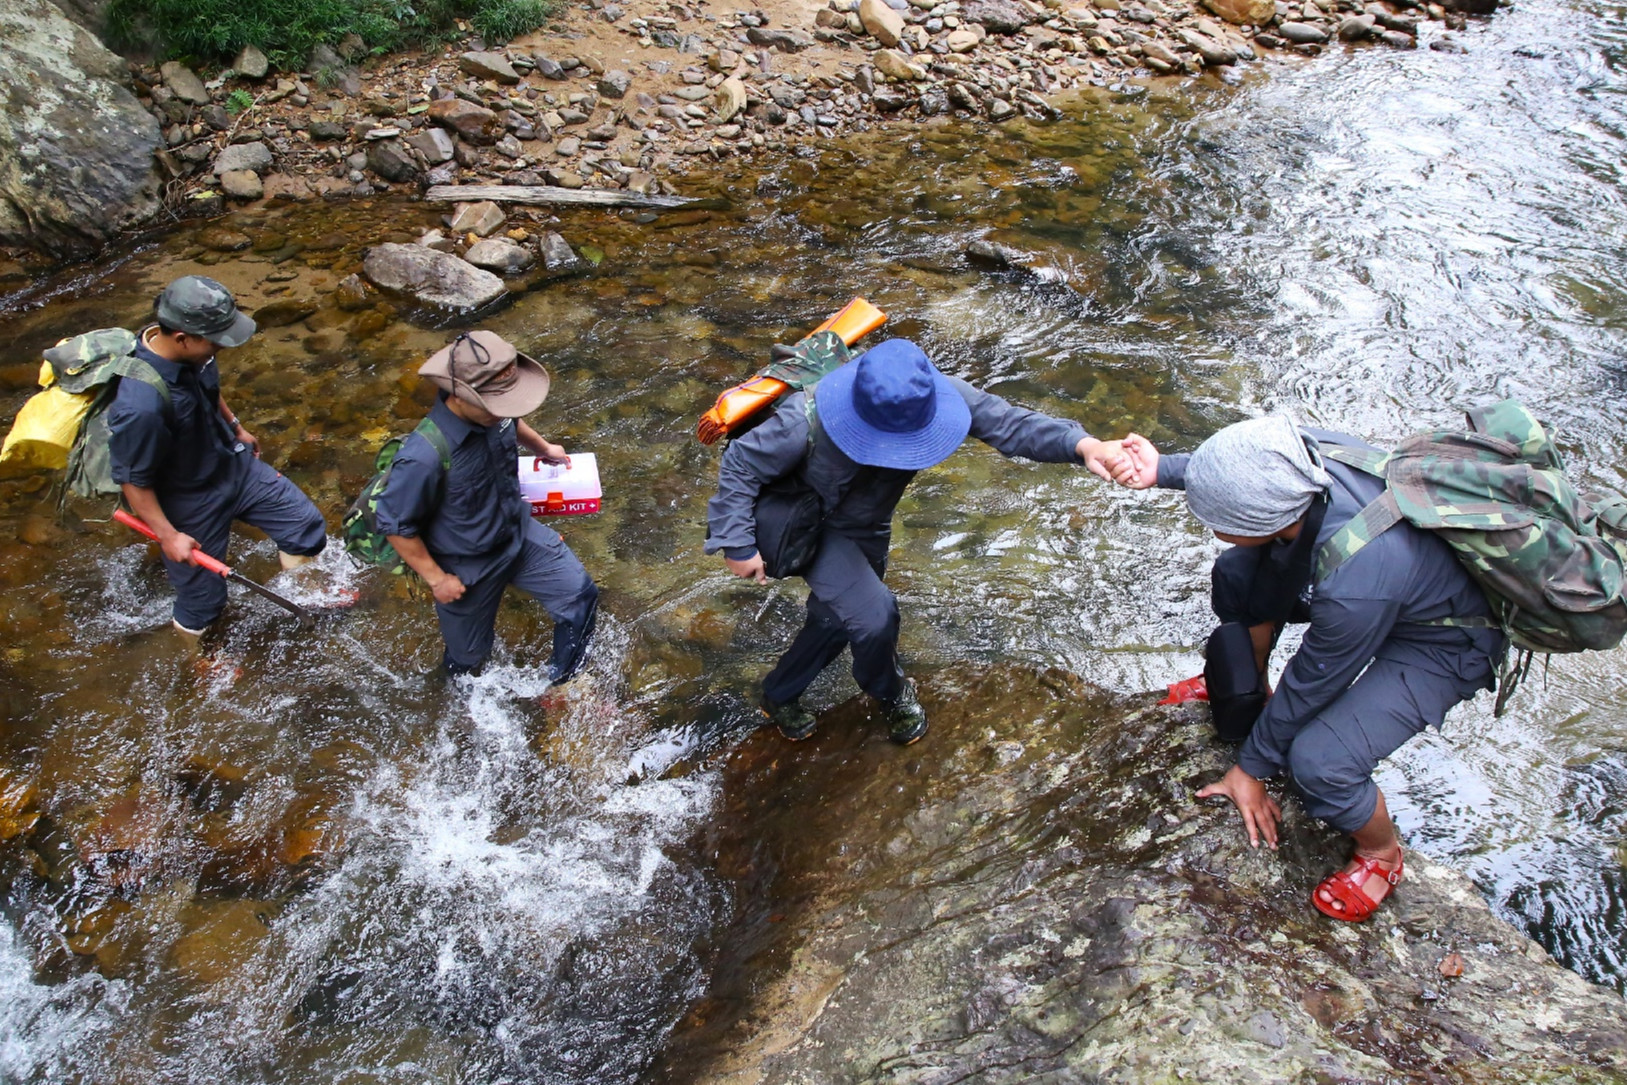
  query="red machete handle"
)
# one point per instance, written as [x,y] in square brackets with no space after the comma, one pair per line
[199,558]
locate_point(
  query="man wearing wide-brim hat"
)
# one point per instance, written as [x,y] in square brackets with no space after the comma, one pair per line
[184,462]
[452,507]
[856,440]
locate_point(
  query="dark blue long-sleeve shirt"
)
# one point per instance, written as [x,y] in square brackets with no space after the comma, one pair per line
[1372,606]
[471,519]
[858,500]
[183,447]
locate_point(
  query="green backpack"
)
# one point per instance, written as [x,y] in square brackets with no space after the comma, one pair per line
[92,365]
[363,539]
[1553,564]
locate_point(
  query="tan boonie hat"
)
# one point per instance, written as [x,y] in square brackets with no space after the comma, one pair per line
[484,369]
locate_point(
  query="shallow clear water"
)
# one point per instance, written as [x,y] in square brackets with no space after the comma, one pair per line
[311,860]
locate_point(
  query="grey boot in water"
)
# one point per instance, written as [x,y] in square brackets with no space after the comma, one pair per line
[906,719]
[794,721]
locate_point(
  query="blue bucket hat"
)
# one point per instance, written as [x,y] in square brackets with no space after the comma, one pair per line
[891,408]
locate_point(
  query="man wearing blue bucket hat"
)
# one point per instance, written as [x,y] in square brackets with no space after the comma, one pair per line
[854,441]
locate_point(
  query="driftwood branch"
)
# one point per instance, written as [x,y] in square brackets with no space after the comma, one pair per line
[550,194]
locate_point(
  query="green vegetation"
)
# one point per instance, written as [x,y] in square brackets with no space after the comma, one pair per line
[287,30]
[238,100]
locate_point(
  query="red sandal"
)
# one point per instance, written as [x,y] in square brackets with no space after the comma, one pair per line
[1187,689]
[1345,887]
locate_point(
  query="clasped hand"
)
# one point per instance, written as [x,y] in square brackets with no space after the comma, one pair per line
[1131,462]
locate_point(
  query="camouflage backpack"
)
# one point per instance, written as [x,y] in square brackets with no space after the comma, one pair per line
[1553,565]
[91,365]
[363,539]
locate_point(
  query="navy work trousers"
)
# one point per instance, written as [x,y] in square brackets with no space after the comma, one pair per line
[1405,689]
[544,569]
[253,492]
[848,607]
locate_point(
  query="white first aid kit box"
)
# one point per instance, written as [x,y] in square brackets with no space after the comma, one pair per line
[557,490]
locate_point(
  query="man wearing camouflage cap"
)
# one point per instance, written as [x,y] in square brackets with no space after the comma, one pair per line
[187,466]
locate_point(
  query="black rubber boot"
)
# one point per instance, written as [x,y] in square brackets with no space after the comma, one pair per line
[794,721]
[906,719]
[570,649]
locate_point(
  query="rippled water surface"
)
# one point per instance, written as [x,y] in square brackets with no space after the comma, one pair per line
[306,858]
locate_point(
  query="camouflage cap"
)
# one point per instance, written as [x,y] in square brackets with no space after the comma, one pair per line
[202,307]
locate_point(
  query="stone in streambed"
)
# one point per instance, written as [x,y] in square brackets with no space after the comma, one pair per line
[615,84]
[392,160]
[435,144]
[1243,12]
[1213,53]
[481,219]
[999,16]
[284,311]
[242,184]
[1302,33]
[471,122]
[893,65]
[994,255]
[1356,27]
[502,257]
[729,99]
[255,157]
[184,82]
[431,277]
[881,22]
[493,66]
[19,805]
[352,294]
[251,63]
[224,239]
[558,256]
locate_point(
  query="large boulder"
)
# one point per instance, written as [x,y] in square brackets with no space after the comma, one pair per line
[1033,894]
[76,149]
[430,276]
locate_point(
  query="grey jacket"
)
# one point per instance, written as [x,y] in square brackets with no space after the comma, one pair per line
[857,500]
[1373,606]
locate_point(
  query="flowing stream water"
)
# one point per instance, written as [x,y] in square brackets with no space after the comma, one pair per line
[304,857]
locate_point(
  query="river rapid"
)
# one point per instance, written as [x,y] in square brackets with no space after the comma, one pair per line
[305,857]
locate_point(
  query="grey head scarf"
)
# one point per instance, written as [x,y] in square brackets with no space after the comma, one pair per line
[1254,478]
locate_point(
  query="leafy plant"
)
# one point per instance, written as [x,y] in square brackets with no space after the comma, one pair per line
[239,100]
[287,30]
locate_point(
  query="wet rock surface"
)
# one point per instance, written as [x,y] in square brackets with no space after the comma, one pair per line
[432,277]
[76,148]
[1034,895]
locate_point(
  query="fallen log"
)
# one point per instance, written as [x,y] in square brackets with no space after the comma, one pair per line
[551,194]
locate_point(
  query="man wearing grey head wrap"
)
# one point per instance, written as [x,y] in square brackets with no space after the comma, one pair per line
[1254,479]
[1376,666]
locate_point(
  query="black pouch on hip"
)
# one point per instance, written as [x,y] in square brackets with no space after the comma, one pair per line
[1236,691]
[788,519]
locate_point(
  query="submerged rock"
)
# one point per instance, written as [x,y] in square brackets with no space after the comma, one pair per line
[1033,894]
[77,150]
[430,276]
[502,257]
